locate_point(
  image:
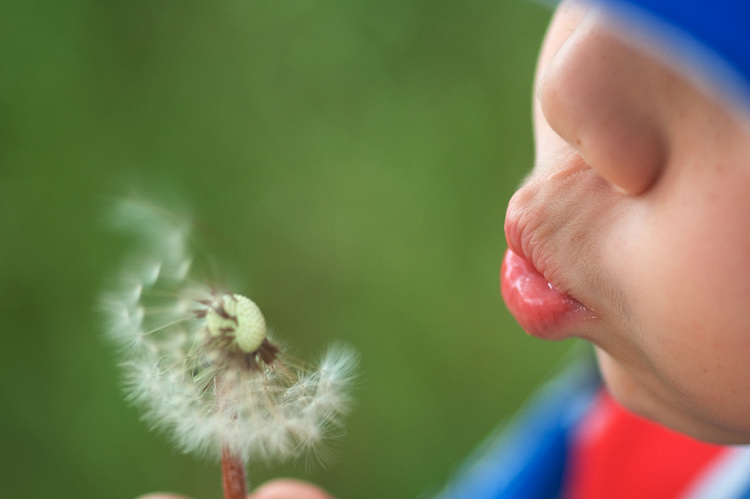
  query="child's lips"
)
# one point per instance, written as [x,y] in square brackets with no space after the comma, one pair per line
[540,308]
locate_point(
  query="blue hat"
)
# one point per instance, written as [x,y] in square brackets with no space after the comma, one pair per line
[709,37]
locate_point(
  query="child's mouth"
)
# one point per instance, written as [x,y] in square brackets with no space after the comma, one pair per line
[540,308]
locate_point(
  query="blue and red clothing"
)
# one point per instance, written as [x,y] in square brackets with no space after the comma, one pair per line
[575,442]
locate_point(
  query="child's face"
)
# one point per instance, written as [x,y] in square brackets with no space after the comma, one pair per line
[638,210]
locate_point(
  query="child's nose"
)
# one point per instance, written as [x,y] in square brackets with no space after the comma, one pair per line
[603,98]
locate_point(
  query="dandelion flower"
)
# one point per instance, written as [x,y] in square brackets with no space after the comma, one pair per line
[201,362]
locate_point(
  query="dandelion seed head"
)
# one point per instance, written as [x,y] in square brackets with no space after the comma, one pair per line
[201,362]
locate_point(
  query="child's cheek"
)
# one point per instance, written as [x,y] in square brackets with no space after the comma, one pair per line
[685,270]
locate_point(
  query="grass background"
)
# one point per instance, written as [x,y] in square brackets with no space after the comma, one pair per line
[358,155]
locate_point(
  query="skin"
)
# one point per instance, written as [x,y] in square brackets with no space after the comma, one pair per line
[276,489]
[637,207]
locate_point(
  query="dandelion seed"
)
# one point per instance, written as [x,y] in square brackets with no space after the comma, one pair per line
[202,364]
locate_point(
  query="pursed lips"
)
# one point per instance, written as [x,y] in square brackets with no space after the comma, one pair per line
[552,224]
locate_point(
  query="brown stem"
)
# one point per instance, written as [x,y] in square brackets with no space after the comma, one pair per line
[233,475]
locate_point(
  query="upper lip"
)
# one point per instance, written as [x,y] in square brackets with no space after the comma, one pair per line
[551,223]
[522,229]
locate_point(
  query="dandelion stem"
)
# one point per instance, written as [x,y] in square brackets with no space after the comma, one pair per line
[233,475]
[232,466]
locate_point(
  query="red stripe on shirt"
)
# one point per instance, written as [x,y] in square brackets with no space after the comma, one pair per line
[617,454]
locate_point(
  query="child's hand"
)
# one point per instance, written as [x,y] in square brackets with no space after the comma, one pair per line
[276,489]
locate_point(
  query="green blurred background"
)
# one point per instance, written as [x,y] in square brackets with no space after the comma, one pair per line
[357,155]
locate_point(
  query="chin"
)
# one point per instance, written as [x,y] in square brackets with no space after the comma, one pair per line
[635,396]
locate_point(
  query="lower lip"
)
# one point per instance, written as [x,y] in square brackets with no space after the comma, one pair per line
[540,309]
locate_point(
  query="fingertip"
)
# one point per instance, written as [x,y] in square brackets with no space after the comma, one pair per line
[289,489]
[162,495]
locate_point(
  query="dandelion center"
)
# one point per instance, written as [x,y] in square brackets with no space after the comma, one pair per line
[238,317]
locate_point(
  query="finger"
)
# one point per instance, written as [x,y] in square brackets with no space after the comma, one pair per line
[162,495]
[289,489]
